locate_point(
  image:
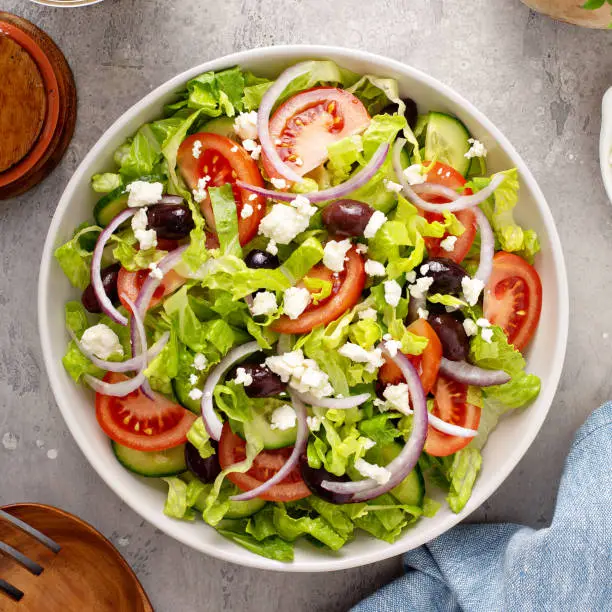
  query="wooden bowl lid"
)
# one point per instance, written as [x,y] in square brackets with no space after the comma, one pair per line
[37,105]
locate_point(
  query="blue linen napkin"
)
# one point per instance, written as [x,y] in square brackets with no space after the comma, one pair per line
[506,567]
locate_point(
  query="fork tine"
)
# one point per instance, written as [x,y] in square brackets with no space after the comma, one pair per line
[30,565]
[10,590]
[41,537]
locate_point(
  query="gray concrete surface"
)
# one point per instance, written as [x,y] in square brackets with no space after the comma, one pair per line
[540,81]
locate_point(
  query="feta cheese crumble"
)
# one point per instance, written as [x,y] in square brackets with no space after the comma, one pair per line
[284,417]
[245,125]
[448,244]
[411,276]
[374,268]
[370,470]
[303,374]
[200,362]
[195,394]
[471,329]
[423,313]
[392,186]
[483,322]
[377,220]
[246,212]
[278,183]
[143,193]
[334,254]
[398,397]
[393,346]
[393,292]
[193,379]
[146,238]
[373,359]
[272,248]
[295,301]
[102,341]
[421,287]
[283,223]
[487,334]
[314,422]
[471,289]
[414,174]
[264,303]
[476,150]
[155,271]
[243,377]
[252,147]
[200,193]
[361,248]
[368,313]
[196,150]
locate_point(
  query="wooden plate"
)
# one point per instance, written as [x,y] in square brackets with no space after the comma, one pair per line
[37,105]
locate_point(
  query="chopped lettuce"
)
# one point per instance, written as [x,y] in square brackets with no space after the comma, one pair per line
[319,288]
[177,505]
[226,219]
[140,155]
[273,547]
[163,368]
[127,253]
[307,255]
[199,437]
[106,182]
[462,475]
[290,528]
[74,259]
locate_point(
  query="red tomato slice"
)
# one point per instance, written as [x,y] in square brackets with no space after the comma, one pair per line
[426,364]
[442,174]
[513,298]
[141,423]
[130,283]
[223,161]
[309,122]
[346,291]
[232,449]
[451,406]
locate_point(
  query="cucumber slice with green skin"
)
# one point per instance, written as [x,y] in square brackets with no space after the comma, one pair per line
[272,438]
[182,387]
[478,167]
[446,141]
[224,126]
[152,464]
[110,205]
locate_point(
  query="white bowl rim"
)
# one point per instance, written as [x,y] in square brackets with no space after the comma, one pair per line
[292,53]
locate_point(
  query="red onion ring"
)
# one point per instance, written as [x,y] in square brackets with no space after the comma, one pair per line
[437,190]
[487,247]
[171,199]
[263,120]
[299,448]
[469,374]
[333,403]
[120,389]
[339,191]
[403,464]
[211,421]
[458,203]
[449,428]
[96,261]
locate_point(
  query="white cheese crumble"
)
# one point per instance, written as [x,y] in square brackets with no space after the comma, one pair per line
[414,174]
[284,417]
[295,301]
[392,186]
[373,359]
[393,292]
[314,423]
[486,334]
[246,212]
[471,329]
[195,394]
[193,379]
[377,220]
[471,289]
[252,197]
[361,248]
[278,183]
[243,377]
[393,346]
[264,303]
[411,276]
[424,269]
[368,313]
[421,287]
[252,147]
[283,223]
[245,125]
[196,150]
[102,341]
[200,362]
[155,271]
[370,470]
[334,254]
[476,150]
[482,322]
[423,313]
[398,397]
[448,244]
[272,248]
[234,149]
[304,375]
[143,193]
[200,193]
[374,268]
[146,238]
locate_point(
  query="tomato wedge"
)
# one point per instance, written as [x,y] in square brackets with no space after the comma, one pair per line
[307,123]
[426,364]
[224,161]
[441,174]
[130,283]
[513,298]
[232,449]
[451,405]
[346,291]
[141,423]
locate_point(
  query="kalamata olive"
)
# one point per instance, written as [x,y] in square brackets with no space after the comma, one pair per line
[313,477]
[454,340]
[411,113]
[205,469]
[347,217]
[170,221]
[446,273]
[265,382]
[109,280]
[261,259]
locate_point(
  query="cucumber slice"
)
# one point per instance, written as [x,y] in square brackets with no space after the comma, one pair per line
[182,387]
[224,126]
[152,464]
[272,438]
[478,167]
[446,140]
[110,205]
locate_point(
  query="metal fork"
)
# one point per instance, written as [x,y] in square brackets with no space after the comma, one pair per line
[33,567]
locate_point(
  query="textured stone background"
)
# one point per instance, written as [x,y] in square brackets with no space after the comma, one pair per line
[540,81]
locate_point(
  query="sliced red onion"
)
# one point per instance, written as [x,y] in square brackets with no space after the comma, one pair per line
[209,416]
[171,199]
[404,463]
[469,374]
[263,120]
[120,389]
[96,278]
[298,449]
[458,203]
[129,365]
[334,403]
[436,190]
[449,428]
[487,247]
[339,191]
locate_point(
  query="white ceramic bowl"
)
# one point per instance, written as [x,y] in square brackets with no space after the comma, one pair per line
[507,444]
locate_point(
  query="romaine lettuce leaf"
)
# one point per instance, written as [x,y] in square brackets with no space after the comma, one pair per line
[290,528]
[307,255]
[226,219]
[199,437]
[462,475]
[74,259]
[106,182]
[176,505]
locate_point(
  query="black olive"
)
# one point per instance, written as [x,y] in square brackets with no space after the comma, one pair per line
[261,259]
[205,469]
[313,477]
[454,340]
[347,217]
[109,280]
[446,274]
[265,382]
[170,221]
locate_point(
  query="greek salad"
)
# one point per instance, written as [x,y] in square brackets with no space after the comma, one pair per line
[304,306]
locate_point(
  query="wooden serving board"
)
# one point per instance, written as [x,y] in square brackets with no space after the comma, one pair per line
[37,105]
